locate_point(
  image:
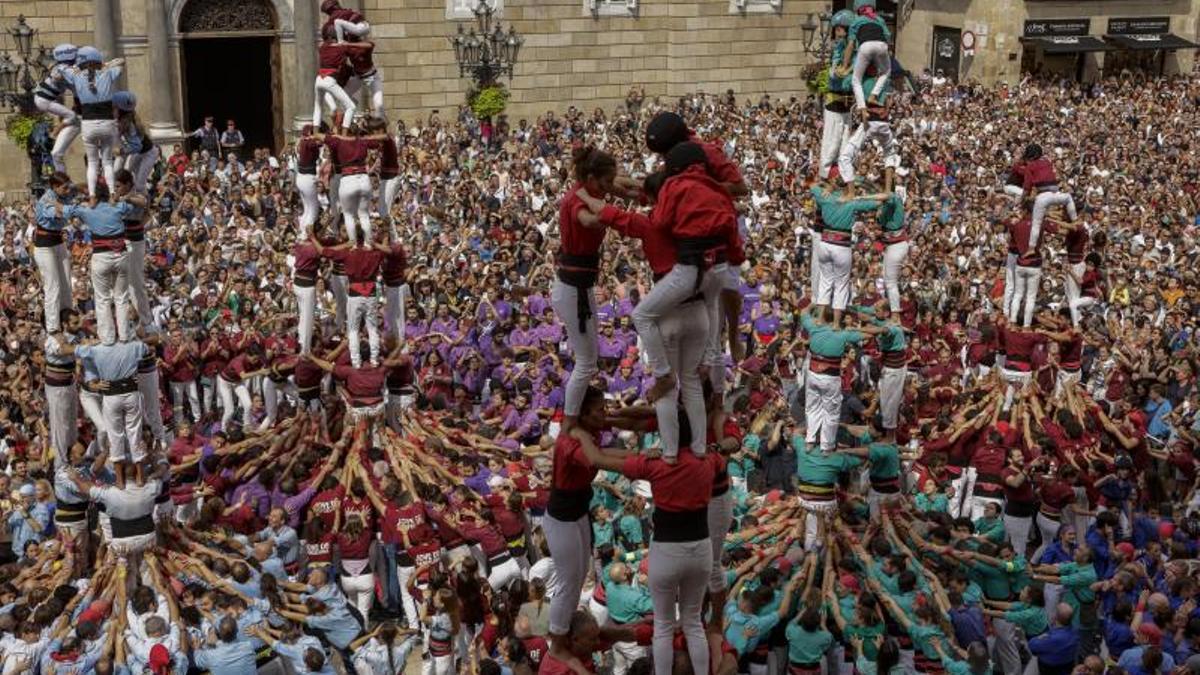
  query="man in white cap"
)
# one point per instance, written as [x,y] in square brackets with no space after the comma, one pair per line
[28,520]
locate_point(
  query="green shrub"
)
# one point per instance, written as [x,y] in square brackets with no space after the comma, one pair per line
[20,127]
[489,101]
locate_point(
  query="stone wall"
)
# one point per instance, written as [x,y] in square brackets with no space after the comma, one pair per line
[57,21]
[570,56]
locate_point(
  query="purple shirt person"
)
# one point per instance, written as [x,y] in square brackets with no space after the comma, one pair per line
[606,312]
[522,335]
[768,322]
[550,333]
[536,304]
[443,323]
[254,494]
[624,307]
[489,349]
[625,383]
[415,328]
[610,345]
[548,397]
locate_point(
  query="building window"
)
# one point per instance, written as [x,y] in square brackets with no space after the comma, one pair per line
[465,9]
[755,6]
[598,8]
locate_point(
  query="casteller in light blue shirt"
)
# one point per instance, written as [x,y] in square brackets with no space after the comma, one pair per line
[105,219]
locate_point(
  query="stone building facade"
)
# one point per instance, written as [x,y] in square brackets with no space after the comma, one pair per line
[253,60]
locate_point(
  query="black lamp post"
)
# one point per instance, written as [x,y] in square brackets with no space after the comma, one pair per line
[17,81]
[489,52]
[816,35]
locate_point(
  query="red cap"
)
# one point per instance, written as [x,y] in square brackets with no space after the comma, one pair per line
[160,660]
[1166,530]
[784,566]
[1126,548]
[1152,633]
[850,583]
[773,496]
[96,612]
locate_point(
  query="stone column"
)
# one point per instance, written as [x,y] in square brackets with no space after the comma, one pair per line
[106,32]
[304,17]
[160,109]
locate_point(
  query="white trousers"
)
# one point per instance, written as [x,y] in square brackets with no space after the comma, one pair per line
[66,135]
[388,190]
[327,86]
[879,131]
[306,185]
[891,395]
[62,408]
[373,84]
[1025,291]
[1016,379]
[834,134]
[684,331]
[678,285]
[716,281]
[836,261]
[151,410]
[188,390]
[1010,281]
[98,139]
[964,489]
[335,204]
[143,166]
[339,285]
[123,423]
[228,390]
[306,307]
[870,53]
[564,299]
[503,574]
[358,310]
[54,266]
[815,265]
[822,409]
[93,409]
[1065,380]
[720,517]
[678,579]
[407,601]
[394,316]
[1016,529]
[360,591]
[342,27]
[354,194]
[570,546]
[894,256]
[1072,290]
[136,256]
[110,286]
[1043,202]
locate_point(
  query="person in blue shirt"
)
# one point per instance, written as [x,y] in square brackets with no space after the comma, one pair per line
[1158,407]
[1057,648]
[836,116]
[226,653]
[28,521]
[50,249]
[105,221]
[285,539]
[93,83]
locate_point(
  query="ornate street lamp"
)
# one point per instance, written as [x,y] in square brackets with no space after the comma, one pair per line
[485,52]
[815,32]
[17,81]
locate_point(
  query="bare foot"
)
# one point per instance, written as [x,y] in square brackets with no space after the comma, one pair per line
[662,385]
[670,459]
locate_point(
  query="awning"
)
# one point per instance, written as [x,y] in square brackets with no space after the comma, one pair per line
[1070,44]
[1155,41]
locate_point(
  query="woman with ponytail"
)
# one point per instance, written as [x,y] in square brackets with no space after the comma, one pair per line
[139,154]
[578,268]
[384,651]
[94,83]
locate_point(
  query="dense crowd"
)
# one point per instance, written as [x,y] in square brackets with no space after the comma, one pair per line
[938,388]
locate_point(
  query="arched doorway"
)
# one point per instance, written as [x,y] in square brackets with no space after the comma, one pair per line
[229,67]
